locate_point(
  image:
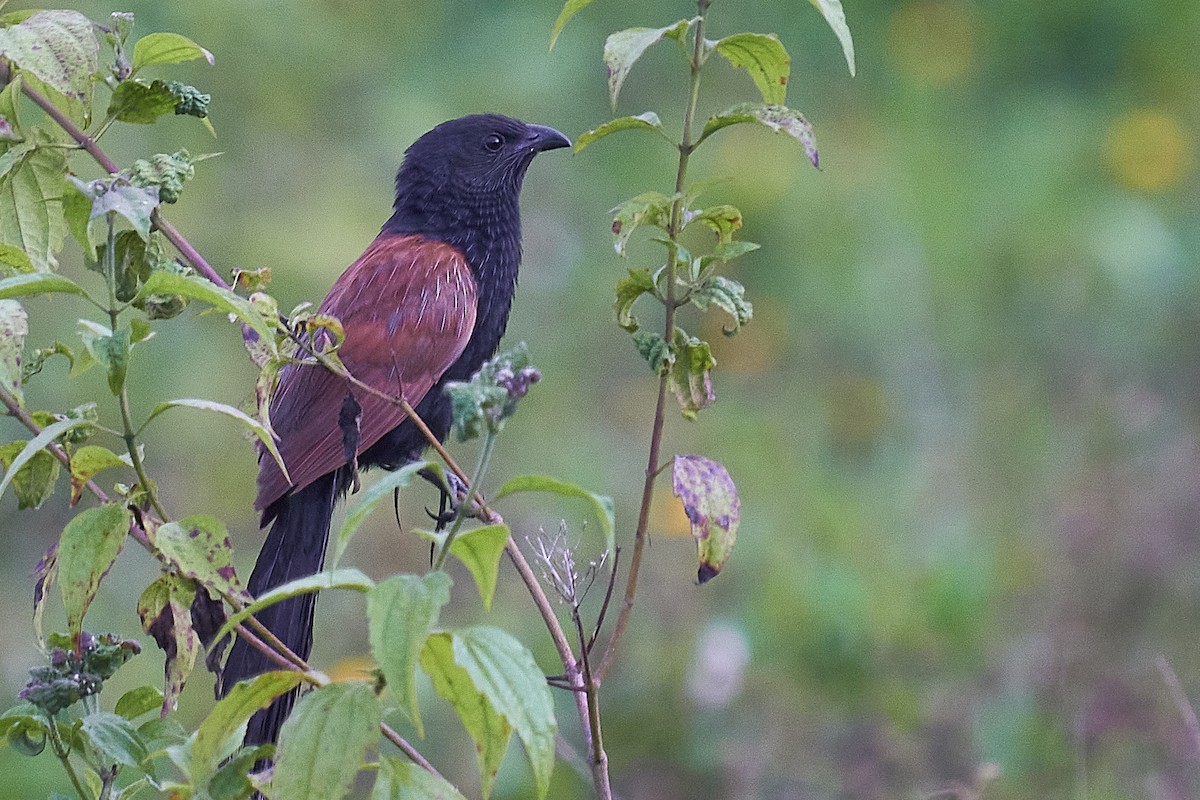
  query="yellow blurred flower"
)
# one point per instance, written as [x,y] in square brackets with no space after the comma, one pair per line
[1148,150]
[352,668]
[933,41]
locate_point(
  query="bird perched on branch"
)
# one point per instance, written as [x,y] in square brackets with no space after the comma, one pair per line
[426,303]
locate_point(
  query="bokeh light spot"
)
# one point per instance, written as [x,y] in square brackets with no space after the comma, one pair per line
[933,41]
[1148,150]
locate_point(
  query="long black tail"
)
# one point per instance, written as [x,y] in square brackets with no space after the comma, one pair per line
[294,548]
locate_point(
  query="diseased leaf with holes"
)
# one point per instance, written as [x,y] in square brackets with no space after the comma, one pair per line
[86,550]
[569,9]
[402,611]
[835,15]
[780,119]
[488,727]
[59,47]
[601,504]
[324,741]
[654,350]
[642,122]
[14,327]
[31,211]
[323,581]
[637,283]
[649,208]
[89,460]
[398,779]
[764,57]
[114,737]
[141,103]
[33,482]
[198,547]
[712,505]
[690,378]
[166,48]
[382,488]
[165,610]
[623,48]
[727,295]
[723,220]
[256,427]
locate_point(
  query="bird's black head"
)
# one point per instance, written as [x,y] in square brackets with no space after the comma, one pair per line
[467,171]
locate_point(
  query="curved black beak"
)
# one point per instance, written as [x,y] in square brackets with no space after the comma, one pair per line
[543,138]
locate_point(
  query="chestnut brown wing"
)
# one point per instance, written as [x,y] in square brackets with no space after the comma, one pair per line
[408,308]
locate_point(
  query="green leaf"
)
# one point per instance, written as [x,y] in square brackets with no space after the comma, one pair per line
[38,283]
[166,48]
[727,295]
[728,251]
[89,460]
[59,47]
[14,260]
[165,609]
[324,741]
[479,549]
[503,670]
[690,378]
[724,220]
[256,427]
[764,57]
[14,327]
[8,109]
[569,9]
[197,288]
[114,737]
[487,726]
[31,209]
[134,203]
[833,13]
[649,208]
[38,443]
[33,483]
[86,550]
[404,780]
[402,611]
[141,103]
[623,48]
[77,211]
[712,505]
[112,353]
[654,350]
[198,547]
[601,504]
[335,579]
[637,283]
[642,122]
[229,715]
[139,701]
[168,172]
[396,479]
[780,119]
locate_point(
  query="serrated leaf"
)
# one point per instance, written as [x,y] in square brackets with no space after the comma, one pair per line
[402,611]
[87,462]
[601,504]
[87,549]
[780,119]
[165,608]
[488,727]
[723,220]
[139,701]
[31,211]
[324,741]
[648,208]
[623,49]
[229,715]
[197,288]
[727,295]
[256,427]
[712,505]
[36,283]
[404,780]
[690,377]
[309,584]
[637,283]
[37,444]
[166,48]
[833,13]
[14,327]
[59,47]
[764,57]
[114,738]
[642,122]
[198,547]
[569,9]
[141,103]
[397,479]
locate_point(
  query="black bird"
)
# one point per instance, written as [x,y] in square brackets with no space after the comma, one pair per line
[426,303]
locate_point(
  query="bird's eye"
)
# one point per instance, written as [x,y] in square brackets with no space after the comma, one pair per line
[493,142]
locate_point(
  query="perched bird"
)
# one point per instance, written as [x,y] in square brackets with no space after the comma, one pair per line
[426,303]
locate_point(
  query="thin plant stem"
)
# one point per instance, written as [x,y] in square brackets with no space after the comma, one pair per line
[63,755]
[460,516]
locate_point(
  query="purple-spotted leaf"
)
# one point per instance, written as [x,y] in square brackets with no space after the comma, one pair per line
[166,612]
[623,48]
[780,119]
[86,550]
[14,327]
[711,502]
[59,47]
[690,376]
[764,57]
[198,547]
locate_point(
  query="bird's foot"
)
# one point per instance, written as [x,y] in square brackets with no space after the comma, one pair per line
[452,494]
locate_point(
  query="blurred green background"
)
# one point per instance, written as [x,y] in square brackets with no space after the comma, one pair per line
[963,421]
